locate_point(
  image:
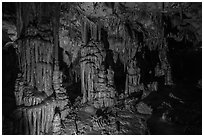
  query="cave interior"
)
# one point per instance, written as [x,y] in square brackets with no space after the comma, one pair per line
[101,68]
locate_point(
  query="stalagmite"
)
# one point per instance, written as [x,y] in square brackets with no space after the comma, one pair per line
[56,124]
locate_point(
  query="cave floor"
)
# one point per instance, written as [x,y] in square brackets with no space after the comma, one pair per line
[185,118]
[188,121]
[130,124]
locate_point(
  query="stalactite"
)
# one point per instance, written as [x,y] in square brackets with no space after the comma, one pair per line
[82,82]
[36,66]
[85,32]
[34,121]
[31,101]
[43,115]
[40,51]
[95,32]
[19,131]
[35,46]
[25,122]
[32,65]
[19,84]
[45,118]
[44,77]
[82,30]
[91,30]
[50,76]
[46,80]
[48,118]
[24,57]
[27,60]
[38,121]
[88,83]
[29,115]
[20,54]
[41,77]
[38,118]
[38,70]
[99,32]
[75,77]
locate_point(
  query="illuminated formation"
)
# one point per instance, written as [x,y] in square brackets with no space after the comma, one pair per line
[107,68]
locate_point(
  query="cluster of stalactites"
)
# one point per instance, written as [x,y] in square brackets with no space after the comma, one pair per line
[97,86]
[35,120]
[36,60]
[124,51]
[35,109]
[92,56]
[90,31]
[104,88]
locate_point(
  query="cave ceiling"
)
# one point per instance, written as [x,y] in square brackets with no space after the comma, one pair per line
[144,17]
[141,17]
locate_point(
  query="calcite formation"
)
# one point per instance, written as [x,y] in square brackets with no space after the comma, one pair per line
[105,90]
[33,90]
[56,127]
[165,66]
[91,59]
[132,78]
[62,100]
[35,112]
[35,120]
[36,60]
[26,95]
[19,85]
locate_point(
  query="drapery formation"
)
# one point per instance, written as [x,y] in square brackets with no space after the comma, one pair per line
[36,60]
[38,89]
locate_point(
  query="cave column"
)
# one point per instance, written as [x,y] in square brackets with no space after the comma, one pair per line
[165,66]
[37,51]
[163,54]
[132,78]
[36,47]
